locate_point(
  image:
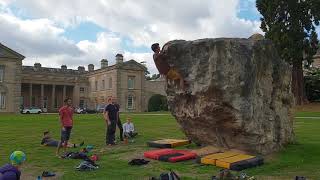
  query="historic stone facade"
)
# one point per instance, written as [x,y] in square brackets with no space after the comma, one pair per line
[10,79]
[47,87]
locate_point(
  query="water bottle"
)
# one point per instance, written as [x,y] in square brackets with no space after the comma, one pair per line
[39,178]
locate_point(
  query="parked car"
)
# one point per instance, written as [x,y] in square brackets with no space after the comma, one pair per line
[80,111]
[31,110]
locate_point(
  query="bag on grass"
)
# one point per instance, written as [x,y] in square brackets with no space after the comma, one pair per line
[87,166]
[138,162]
[75,155]
[167,176]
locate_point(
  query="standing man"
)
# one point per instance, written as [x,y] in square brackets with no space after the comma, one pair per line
[119,124]
[66,121]
[110,116]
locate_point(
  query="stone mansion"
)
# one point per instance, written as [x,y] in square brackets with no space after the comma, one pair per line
[46,87]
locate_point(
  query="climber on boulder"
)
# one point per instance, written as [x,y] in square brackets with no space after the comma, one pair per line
[164,68]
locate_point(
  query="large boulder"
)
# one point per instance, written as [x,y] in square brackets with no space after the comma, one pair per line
[239,93]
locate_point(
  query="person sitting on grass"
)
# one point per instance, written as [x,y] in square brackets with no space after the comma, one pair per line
[12,171]
[170,73]
[47,140]
[128,130]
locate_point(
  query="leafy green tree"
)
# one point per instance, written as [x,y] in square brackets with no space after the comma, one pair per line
[290,24]
[312,82]
[158,103]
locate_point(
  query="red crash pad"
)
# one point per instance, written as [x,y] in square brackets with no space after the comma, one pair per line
[170,155]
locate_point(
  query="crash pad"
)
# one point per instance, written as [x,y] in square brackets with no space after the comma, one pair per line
[170,155]
[168,143]
[212,158]
[239,162]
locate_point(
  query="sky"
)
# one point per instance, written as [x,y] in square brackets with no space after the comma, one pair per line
[80,32]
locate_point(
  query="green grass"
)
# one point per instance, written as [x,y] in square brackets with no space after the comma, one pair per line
[23,132]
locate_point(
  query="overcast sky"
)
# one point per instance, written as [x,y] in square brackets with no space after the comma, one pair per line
[80,32]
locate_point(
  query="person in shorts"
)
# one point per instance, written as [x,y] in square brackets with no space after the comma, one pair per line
[170,73]
[66,122]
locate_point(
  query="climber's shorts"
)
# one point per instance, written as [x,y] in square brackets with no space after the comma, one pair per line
[173,74]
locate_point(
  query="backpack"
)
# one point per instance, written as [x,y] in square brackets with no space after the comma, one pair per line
[138,162]
[167,176]
[75,155]
[87,166]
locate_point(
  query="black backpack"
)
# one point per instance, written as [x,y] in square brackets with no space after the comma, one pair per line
[138,162]
[167,176]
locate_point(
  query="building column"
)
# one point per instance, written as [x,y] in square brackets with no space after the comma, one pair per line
[76,95]
[64,93]
[42,96]
[53,96]
[30,94]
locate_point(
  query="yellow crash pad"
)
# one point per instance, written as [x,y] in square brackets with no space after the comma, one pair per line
[168,143]
[227,162]
[212,158]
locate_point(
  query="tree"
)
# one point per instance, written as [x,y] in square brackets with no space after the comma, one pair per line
[153,77]
[158,103]
[312,81]
[290,24]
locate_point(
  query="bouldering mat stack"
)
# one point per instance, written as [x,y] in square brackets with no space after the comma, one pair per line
[170,155]
[168,143]
[232,160]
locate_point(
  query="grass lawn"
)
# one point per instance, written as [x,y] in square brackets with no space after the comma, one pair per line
[23,132]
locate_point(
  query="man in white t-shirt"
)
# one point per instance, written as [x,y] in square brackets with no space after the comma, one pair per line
[128,129]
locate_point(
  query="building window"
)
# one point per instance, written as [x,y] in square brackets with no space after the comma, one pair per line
[131,82]
[110,83]
[81,89]
[130,102]
[1,73]
[2,100]
[96,85]
[103,85]
[81,104]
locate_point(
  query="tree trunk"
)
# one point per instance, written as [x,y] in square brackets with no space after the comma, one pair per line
[297,83]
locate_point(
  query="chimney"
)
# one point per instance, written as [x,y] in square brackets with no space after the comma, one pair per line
[64,67]
[37,66]
[81,69]
[90,67]
[104,63]
[119,58]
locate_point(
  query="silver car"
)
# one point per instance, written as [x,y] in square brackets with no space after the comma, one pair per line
[31,110]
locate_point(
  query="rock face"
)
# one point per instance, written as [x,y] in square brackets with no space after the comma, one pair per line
[240,93]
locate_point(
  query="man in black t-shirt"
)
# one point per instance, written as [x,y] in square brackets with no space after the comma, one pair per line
[110,116]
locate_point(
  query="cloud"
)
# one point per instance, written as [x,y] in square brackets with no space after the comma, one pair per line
[143,22]
[41,40]
[38,37]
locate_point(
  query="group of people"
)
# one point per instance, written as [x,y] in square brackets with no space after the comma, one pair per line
[111,117]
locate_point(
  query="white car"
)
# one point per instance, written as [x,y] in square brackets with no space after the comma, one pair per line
[80,111]
[31,110]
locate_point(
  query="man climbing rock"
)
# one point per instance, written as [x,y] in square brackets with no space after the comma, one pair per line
[164,68]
